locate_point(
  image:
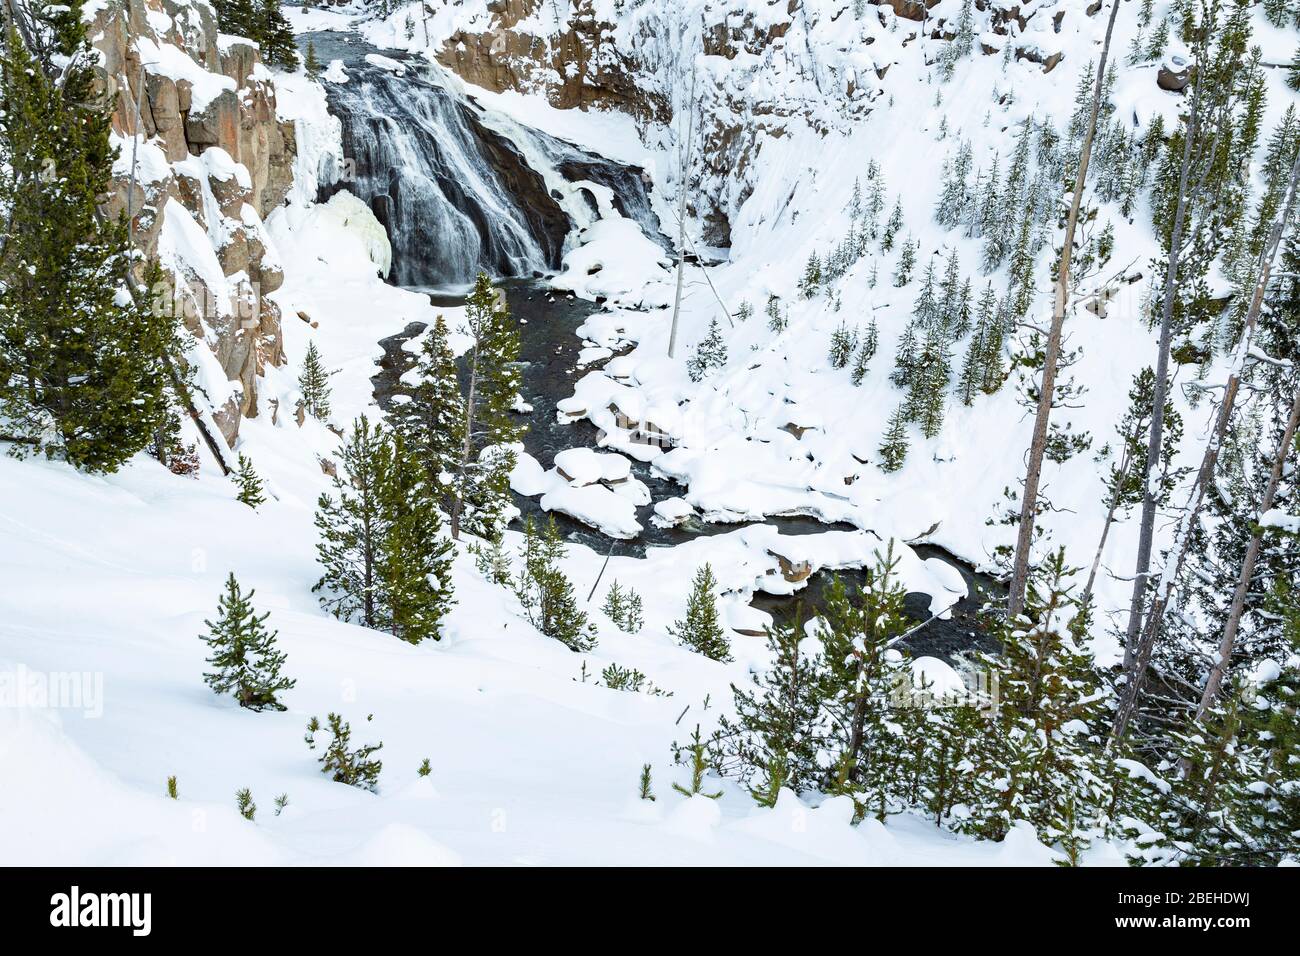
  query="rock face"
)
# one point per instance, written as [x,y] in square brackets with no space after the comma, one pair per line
[760,73]
[211,143]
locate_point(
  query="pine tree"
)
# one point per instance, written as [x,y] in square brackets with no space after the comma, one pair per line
[781,726]
[861,671]
[892,226]
[906,262]
[866,352]
[1041,758]
[906,357]
[356,768]
[710,354]
[83,356]
[643,787]
[843,342]
[927,395]
[623,607]
[545,592]
[244,658]
[481,491]
[776,318]
[413,566]
[1293,72]
[384,561]
[244,803]
[700,629]
[310,64]
[893,445]
[277,42]
[432,422]
[492,561]
[698,750]
[811,282]
[351,526]
[251,491]
[314,383]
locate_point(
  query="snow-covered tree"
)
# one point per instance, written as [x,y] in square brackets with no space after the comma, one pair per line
[355,767]
[431,423]
[623,607]
[710,354]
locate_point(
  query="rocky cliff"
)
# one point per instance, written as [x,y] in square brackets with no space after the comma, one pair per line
[748,74]
[202,159]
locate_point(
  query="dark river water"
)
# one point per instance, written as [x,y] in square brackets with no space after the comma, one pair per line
[549,347]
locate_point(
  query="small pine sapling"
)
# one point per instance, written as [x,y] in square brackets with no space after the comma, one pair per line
[244,801]
[424,769]
[645,791]
[698,760]
[171,788]
[251,491]
[281,802]
[356,768]
[700,630]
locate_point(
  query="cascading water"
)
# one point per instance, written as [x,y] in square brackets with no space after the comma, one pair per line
[458,189]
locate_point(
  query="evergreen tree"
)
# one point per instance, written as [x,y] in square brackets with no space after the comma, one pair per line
[492,561]
[698,750]
[700,630]
[356,768]
[1293,72]
[431,423]
[545,592]
[866,352]
[245,660]
[926,397]
[623,607]
[277,42]
[351,528]
[413,564]
[843,342]
[811,282]
[861,670]
[776,318]
[310,64]
[781,728]
[314,383]
[251,491]
[893,445]
[384,560]
[481,491]
[906,262]
[892,226]
[1041,758]
[710,354]
[83,356]
[244,803]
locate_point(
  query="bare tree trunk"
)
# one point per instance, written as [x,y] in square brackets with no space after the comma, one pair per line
[681,221]
[1052,356]
[1214,680]
[467,446]
[1105,529]
[1140,652]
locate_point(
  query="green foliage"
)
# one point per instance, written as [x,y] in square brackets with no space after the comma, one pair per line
[632,680]
[700,630]
[481,487]
[385,561]
[281,802]
[82,351]
[893,444]
[623,607]
[314,383]
[776,316]
[310,64]
[811,282]
[781,729]
[262,22]
[432,423]
[697,758]
[171,788]
[424,769]
[545,592]
[356,768]
[492,561]
[865,353]
[251,491]
[643,788]
[244,802]
[245,660]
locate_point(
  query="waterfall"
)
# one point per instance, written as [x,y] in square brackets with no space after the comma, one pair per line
[460,189]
